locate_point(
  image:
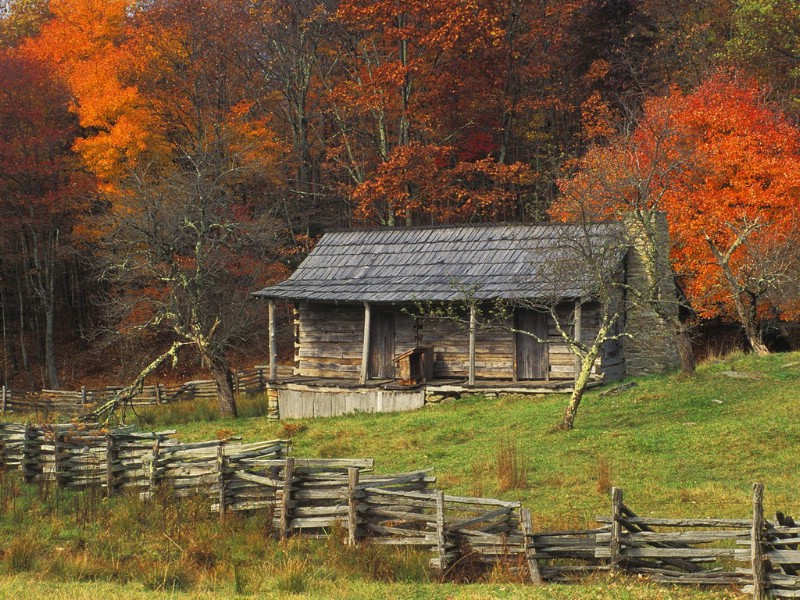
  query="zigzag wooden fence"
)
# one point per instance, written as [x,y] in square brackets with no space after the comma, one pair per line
[311,496]
[48,403]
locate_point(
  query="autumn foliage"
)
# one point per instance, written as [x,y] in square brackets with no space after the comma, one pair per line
[289,117]
[722,163]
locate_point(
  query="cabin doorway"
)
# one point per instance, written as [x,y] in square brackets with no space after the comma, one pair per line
[381,345]
[531,356]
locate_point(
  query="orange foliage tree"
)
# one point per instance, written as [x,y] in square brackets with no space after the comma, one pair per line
[186,154]
[435,92]
[723,164]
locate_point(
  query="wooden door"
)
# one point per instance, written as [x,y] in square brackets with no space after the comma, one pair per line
[531,355]
[381,345]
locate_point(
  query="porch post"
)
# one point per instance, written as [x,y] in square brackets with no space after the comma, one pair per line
[365,351]
[578,315]
[273,348]
[471,379]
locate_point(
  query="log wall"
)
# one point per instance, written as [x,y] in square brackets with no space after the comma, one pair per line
[329,344]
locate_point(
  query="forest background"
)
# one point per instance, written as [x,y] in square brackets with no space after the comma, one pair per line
[159,159]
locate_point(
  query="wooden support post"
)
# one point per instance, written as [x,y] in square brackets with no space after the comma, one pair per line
[352,505]
[261,386]
[365,349]
[83,395]
[528,545]
[154,467]
[221,479]
[578,317]
[111,459]
[286,498]
[5,398]
[757,558]
[615,545]
[273,347]
[441,542]
[471,378]
[158,393]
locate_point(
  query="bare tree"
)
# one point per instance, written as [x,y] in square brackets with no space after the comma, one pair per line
[767,272]
[181,267]
[581,269]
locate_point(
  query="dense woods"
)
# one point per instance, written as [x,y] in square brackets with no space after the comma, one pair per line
[160,159]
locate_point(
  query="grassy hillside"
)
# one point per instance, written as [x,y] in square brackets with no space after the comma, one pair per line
[677,446]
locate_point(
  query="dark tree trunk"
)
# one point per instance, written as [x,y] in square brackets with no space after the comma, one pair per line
[685,352]
[224,379]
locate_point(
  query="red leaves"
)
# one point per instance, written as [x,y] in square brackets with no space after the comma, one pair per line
[425,184]
[717,160]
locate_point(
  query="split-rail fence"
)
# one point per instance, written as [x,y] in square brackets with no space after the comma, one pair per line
[79,402]
[314,496]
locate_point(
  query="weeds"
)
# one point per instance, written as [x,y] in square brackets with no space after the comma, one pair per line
[22,554]
[512,468]
[603,476]
[197,411]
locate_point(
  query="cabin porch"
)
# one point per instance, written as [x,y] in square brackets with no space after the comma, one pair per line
[294,397]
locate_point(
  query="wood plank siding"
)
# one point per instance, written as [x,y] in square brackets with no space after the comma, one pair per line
[330,340]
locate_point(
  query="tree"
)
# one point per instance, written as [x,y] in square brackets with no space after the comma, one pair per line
[722,163]
[765,39]
[42,186]
[187,158]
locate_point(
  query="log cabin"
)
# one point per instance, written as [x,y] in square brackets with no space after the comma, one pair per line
[359,301]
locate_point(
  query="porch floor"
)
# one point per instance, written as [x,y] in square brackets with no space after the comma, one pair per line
[558,386]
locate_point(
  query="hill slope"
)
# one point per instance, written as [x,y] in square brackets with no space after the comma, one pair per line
[676,445]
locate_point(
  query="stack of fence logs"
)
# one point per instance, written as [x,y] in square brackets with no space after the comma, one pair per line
[75,403]
[310,496]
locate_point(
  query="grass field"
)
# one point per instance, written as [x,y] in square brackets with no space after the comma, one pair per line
[677,446]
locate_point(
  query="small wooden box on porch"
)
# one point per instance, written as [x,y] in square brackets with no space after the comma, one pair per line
[415,366]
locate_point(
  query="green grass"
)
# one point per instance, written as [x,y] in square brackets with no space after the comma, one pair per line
[677,446]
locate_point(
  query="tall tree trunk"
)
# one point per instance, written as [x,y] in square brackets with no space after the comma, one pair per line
[9,365]
[26,367]
[747,315]
[581,381]
[224,379]
[685,351]
[50,344]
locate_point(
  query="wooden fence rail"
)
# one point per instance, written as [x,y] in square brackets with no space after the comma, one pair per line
[48,403]
[310,496]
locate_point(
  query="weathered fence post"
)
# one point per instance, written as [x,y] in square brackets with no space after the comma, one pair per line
[221,479]
[58,463]
[286,497]
[83,395]
[154,467]
[236,384]
[158,393]
[31,461]
[352,505]
[529,545]
[616,528]
[261,379]
[441,542]
[111,459]
[5,397]
[756,547]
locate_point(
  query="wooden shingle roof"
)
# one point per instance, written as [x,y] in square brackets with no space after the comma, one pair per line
[443,263]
